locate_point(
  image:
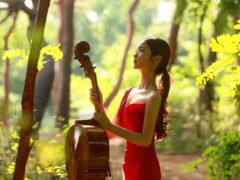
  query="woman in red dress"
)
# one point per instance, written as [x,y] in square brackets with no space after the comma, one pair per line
[142,117]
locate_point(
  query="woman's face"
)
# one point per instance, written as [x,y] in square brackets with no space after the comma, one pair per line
[142,58]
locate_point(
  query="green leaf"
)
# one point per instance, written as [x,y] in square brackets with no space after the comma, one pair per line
[237,26]
[23,54]
[39,170]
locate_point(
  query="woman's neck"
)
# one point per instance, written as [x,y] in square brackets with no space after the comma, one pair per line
[148,81]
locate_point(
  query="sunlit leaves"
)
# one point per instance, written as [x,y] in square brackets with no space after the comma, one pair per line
[223,157]
[226,43]
[53,51]
[212,71]
[228,46]
[237,26]
[10,168]
[23,54]
[16,53]
[15,135]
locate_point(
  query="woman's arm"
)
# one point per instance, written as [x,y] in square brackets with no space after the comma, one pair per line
[145,137]
[114,120]
[94,99]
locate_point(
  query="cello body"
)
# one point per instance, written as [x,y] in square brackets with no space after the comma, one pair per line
[87,152]
[86,144]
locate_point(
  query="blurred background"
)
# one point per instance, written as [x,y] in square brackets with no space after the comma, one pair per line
[204,115]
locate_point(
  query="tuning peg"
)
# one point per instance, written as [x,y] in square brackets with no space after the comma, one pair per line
[81,66]
[94,66]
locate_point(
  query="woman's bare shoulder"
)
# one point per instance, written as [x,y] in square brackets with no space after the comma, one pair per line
[153,96]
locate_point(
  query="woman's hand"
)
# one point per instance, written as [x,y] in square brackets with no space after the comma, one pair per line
[102,119]
[95,99]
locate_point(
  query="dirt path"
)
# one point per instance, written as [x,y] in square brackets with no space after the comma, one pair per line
[171,165]
[171,168]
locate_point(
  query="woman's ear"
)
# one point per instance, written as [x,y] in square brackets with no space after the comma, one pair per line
[157,59]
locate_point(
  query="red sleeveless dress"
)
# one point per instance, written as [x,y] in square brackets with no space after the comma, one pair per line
[140,163]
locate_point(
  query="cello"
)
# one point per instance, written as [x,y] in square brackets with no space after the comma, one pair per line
[86,144]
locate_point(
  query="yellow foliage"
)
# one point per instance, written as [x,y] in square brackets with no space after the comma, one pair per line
[14,53]
[15,135]
[23,55]
[48,154]
[212,71]
[237,26]
[14,146]
[228,46]
[39,170]
[10,168]
[55,52]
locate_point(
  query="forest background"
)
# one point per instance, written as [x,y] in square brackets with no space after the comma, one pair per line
[204,38]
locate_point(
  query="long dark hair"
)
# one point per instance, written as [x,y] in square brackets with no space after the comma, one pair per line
[161,47]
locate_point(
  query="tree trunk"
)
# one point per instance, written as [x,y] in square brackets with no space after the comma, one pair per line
[202,67]
[202,17]
[5,103]
[115,90]
[43,87]
[63,69]
[177,19]
[24,146]
[44,78]
[206,95]
[58,65]
[236,17]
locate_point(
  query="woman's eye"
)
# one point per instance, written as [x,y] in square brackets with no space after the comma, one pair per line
[139,50]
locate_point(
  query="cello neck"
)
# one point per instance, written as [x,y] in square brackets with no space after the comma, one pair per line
[95,87]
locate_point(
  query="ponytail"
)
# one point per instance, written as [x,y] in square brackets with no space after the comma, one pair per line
[161,47]
[163,85]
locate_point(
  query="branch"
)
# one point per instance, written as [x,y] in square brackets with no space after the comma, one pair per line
[5,103]
[15,6]
[28,11]
[200,36]
[6,37]
[5,18]
[121,71]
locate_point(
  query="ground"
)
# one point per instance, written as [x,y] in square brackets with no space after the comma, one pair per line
[171,165]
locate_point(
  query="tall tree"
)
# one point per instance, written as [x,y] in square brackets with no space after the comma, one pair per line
[44,77]
[236,18]
[226,9]
[12,9]
[206,95]
[130,33]
[63,68]
[176,23]
[24,146]
[43,87]
[202,17]
[5,103]
[204,5]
